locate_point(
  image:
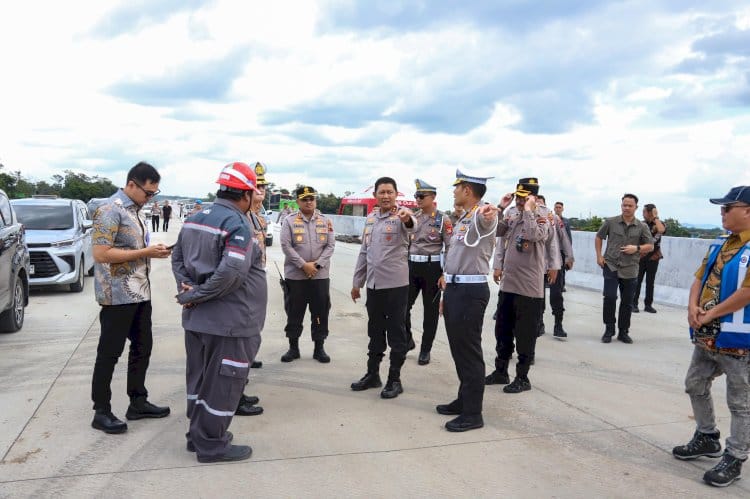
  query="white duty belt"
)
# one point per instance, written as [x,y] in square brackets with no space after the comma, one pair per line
[424,258]
[465,279]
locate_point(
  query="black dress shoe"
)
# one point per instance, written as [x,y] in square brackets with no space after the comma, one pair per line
[369,380]
[634,309]
[108,422]
[257,364]
[235,453]
[290,355]
[452,409]
[465,423]
[411,345]
[649,309]
[141,408]
[391,390]
[249,399]
[497,378]
[519,385]
[625,337]
[191,447]
[248,410]
[424,358]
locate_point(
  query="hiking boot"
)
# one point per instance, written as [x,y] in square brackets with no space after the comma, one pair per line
[518,385]
[649,309]
[701,445]
[497,377]
[369,380]
[723,474]
[559,332]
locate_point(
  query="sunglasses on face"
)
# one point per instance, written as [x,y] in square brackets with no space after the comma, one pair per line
[728,207]
[307,200]
[420,196]
[149,194]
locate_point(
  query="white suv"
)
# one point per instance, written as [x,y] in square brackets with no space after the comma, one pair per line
[58,235]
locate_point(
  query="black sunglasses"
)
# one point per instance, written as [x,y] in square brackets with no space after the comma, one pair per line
[149,194]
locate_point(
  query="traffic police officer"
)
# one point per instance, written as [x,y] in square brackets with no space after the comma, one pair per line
[307,240]
[521,262]
[427,241]
[383,265]
[222,287]
[466,294]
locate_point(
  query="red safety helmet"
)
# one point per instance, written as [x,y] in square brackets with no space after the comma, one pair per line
[238,176]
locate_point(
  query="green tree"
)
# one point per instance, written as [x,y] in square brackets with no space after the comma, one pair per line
[674,228]
[328,203]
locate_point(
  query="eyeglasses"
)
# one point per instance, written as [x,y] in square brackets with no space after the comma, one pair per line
[149,194]
[728,207]
[420,196]
[307,200]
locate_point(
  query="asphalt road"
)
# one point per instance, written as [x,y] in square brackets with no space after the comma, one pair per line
[600,420]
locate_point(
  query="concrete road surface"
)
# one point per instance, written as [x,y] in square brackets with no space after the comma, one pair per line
[600,420]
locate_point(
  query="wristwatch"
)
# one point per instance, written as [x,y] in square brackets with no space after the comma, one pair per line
[638,248]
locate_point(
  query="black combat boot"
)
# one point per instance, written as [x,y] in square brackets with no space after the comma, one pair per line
[320,354]
[500,375]
[293,352]
[559,332]
[393,386]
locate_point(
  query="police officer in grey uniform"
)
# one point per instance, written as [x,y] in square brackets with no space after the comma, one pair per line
[521,262]
[556,301]
[427,242]
[222,287]
[465,297]
[383,265]
[307,240]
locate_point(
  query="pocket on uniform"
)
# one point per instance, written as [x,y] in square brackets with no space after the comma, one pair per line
[234,368]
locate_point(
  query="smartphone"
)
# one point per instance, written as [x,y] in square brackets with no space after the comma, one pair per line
[171,246]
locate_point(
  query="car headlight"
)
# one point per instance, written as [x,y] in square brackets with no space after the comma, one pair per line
[63,244]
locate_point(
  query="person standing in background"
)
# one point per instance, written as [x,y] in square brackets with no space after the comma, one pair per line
[166,213]
[155,211]
[649,262]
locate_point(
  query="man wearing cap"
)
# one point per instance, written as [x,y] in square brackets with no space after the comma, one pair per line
[465,297]
[307,240]
[719,319]
[382,264]
[427,242]
[222,288]
[525,254]
[626,238]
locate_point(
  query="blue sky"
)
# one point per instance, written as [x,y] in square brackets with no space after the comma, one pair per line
[595,98]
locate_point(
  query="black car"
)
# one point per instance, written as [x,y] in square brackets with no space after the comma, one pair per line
[14,269]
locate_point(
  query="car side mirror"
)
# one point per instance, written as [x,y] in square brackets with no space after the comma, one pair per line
[87,224]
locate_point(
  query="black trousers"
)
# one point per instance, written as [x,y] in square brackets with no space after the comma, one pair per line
[314,293]
[215,373]
[627,289]
[518,319]
[556,294]
[118,323]
[463,313]
[165,225]
[423,277]
[154,223]
[648,268]
[386,325]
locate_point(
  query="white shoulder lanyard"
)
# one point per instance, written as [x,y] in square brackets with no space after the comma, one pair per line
[476,228]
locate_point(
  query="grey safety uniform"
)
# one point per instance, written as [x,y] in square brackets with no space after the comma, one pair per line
[217,255]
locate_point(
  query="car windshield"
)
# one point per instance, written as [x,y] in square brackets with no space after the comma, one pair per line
[44,217]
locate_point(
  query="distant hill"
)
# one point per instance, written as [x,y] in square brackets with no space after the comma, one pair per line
[701,226]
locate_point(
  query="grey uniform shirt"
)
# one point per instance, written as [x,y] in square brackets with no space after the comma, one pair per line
[563,240]
[526,250]
[218,256]
[433,231]
[619,233]
[462,259]
[383,257]
[307,240]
